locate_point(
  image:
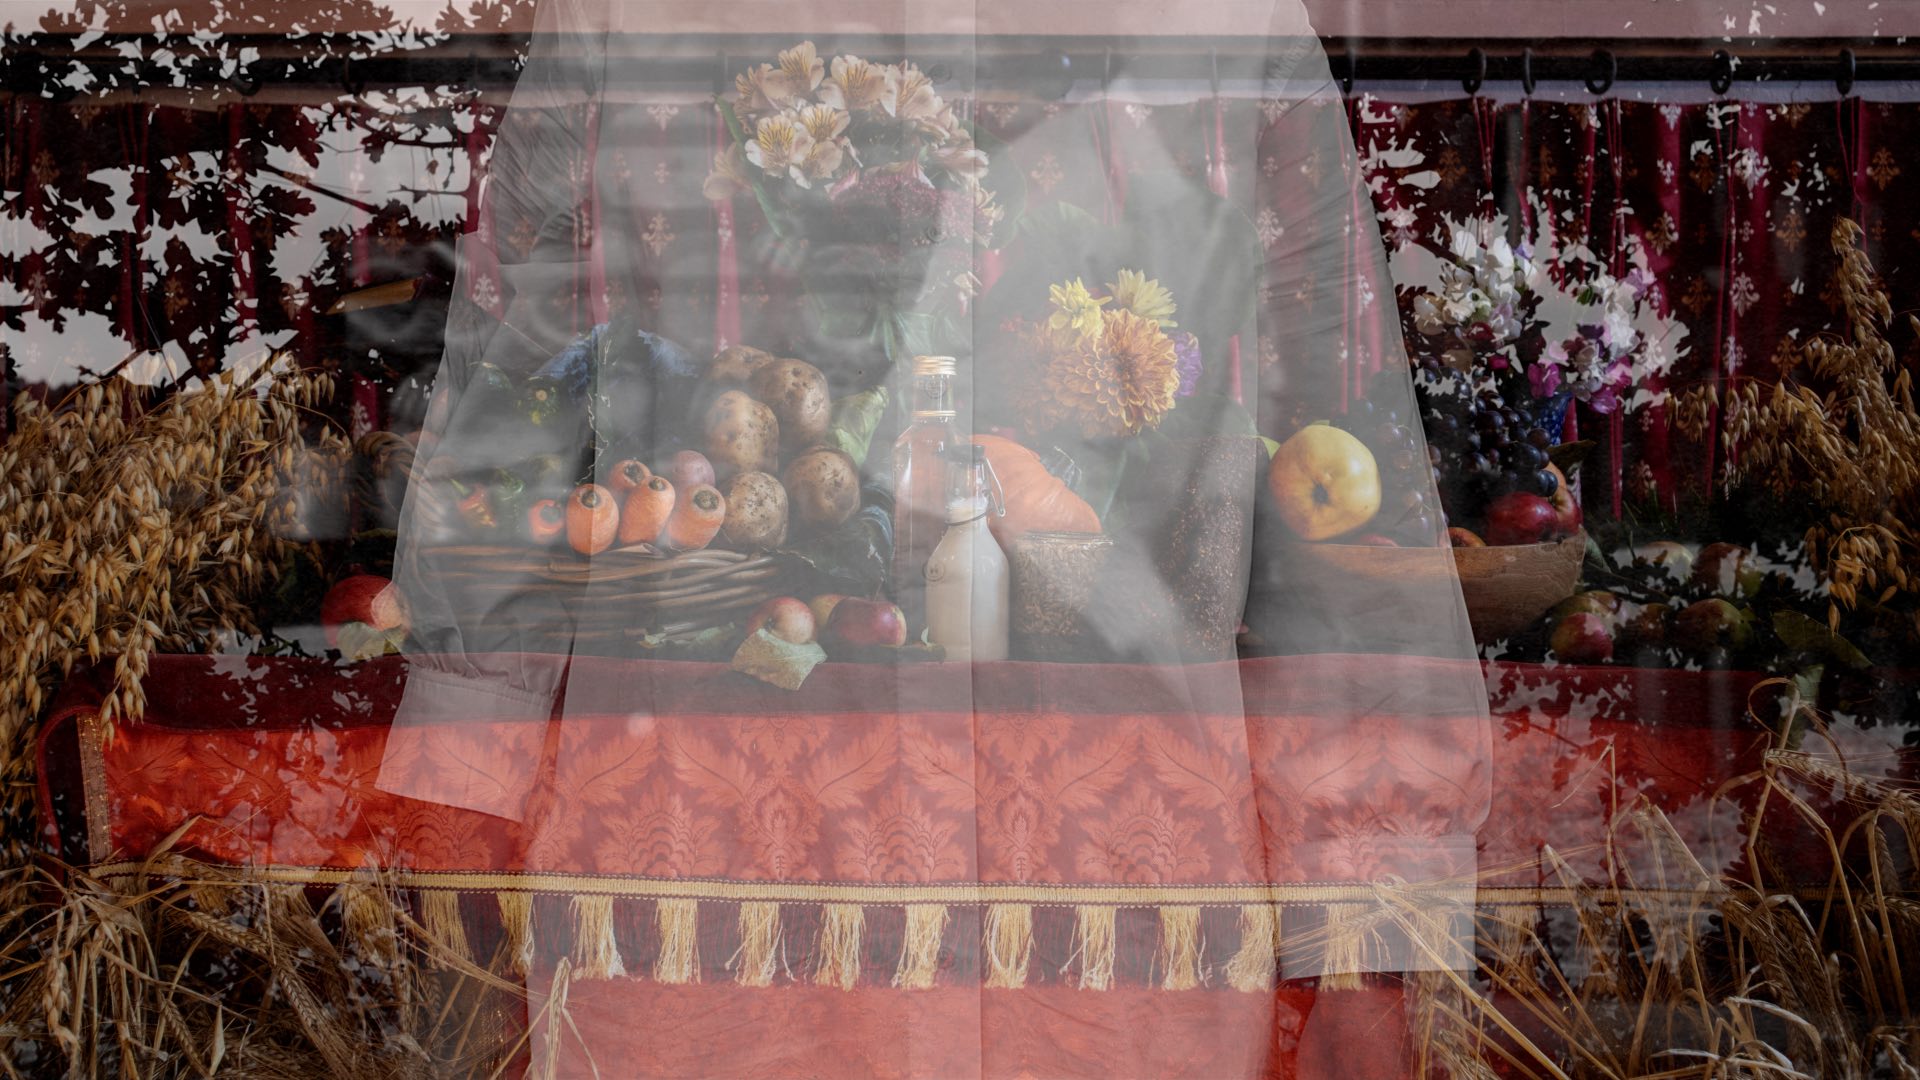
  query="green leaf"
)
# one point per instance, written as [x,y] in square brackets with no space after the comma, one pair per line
[855,557]
[855,418]
[1810,635]
[1567,456]
[775,660]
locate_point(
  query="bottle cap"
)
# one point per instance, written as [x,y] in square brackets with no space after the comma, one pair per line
[933,365]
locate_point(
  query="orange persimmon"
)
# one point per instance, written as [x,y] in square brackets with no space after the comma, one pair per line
[627,478]
[696,519]
[593,519]
[546,522]
[646,512]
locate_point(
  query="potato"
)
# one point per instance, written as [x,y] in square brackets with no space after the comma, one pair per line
[733,366]
[797,393]
[756,512]
[742,435]
[823,485]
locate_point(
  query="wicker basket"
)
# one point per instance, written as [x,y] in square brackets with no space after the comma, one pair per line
[620,594]
[1506,589]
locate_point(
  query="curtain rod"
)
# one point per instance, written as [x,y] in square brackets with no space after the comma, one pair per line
[492,61]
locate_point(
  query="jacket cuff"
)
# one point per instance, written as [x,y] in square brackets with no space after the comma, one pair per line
[474,742]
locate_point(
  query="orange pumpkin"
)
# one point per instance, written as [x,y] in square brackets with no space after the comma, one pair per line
[1037,500]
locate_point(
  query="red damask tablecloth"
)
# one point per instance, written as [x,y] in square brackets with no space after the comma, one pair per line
[1067,869]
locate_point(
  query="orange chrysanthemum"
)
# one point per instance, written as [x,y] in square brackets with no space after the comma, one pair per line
[1118,383]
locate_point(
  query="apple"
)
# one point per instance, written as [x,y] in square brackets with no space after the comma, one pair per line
[856,622]
[1646,627]
[1325,482]
[784,617]
[822,607]
[688,469]
[1706,626]
[366,599]
[1583,638]
[1674,558]
[1592,602]
[1519,518]
[1728,570]
[1566,509]
[1460,537]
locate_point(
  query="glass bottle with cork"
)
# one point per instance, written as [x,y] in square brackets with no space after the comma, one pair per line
[967,610]
[920,484]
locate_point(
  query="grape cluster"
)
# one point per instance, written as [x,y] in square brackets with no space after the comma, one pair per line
[1481,446]
[1407,464]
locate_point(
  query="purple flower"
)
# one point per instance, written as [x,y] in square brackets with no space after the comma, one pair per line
[1545,379]
[1186,361]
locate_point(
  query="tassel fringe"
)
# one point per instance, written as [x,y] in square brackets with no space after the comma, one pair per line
[1256,964]
[516,919]
[596,955]
[1009,942]
[1179,952]
[841,926]
[446,931]
[679,957]
[759,953]
[920,949]
[1093,944]
[1348,928]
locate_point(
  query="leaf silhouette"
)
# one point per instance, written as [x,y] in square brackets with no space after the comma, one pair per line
[720,777]
[1198,776]
[1078,780]
[943,770]
[838,778]
[600,769]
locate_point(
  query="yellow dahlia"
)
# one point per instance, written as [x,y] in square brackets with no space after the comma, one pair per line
[1075,310]
[1144,297]
[1120,383]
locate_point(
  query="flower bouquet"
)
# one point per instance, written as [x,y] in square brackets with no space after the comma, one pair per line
[871,184]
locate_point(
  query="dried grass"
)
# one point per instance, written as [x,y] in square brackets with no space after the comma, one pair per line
[1836,429]
[1678,971]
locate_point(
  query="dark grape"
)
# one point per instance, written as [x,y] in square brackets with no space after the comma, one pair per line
[1545,484]
[1539,437]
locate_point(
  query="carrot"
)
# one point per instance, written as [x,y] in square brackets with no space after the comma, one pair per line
[546,522]
[646,512]
[696,519]
[626,478]
[593,519]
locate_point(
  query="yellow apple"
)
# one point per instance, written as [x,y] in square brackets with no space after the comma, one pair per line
[1325,482]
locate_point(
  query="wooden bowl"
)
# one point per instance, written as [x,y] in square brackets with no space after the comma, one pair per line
[1505,588]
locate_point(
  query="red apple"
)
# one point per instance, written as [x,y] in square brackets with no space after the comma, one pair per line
[1705,626]
[783,617]
[1583,638]
[688,469]
[1460,537]
[362,598]
[1566,508]
[1593,602]
[858,622]
[1519,518]
[1646,626]
[822,607]
[1674,558]
[1728,570]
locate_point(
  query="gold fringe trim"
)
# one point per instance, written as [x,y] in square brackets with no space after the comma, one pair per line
[679,958]
[1093,943]
[446,931]
[759,943]
[516,919]
[1257,962]
[920,949]
[596,954]
[367,917]
[841,926]
[1179,952]
[1345,960]
[1009,941]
